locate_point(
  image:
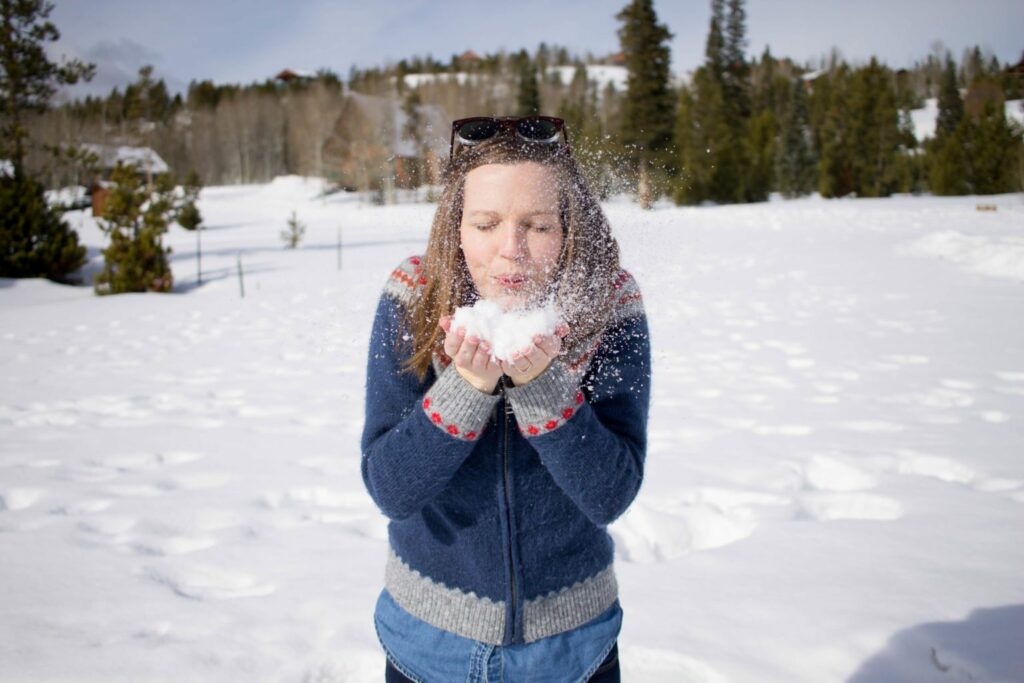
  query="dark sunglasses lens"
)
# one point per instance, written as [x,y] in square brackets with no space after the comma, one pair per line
[475,131]
[537,129]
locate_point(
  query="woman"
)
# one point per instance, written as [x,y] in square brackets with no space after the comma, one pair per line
[499,477]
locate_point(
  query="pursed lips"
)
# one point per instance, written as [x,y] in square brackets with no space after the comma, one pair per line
[511,279]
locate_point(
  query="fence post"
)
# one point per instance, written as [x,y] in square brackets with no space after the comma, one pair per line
[241,284]
[199,257]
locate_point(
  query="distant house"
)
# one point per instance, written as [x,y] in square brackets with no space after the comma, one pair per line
[616,59]
[291,75]
[146,162]
[369,145]
[811,77]
[143,158]
[468,58]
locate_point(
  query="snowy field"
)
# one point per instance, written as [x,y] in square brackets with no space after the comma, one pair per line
[834,486]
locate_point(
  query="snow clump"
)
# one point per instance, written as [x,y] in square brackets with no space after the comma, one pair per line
[506,331]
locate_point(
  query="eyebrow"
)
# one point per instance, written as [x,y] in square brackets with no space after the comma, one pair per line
[495,213]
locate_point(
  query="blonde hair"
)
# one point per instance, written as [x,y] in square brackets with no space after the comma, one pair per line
[587,266]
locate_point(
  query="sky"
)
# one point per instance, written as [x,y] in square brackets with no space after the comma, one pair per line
[235,41]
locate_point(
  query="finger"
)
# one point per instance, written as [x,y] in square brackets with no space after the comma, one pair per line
[562,330]
[482,358]
[451,343]
[521,363]
[551,346]
[450,346]
[446,323]
[467,351]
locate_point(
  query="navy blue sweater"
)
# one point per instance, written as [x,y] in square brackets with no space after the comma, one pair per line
[498,504]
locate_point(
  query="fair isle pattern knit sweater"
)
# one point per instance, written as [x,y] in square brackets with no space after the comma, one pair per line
[498,504]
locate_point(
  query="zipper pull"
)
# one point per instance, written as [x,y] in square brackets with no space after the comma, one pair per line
[504,396]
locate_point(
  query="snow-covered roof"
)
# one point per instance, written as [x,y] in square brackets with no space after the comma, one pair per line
[602,74]
[416,80]
[924,119]
[142,157]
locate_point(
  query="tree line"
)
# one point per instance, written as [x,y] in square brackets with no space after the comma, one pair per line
[736,129]
[745,127]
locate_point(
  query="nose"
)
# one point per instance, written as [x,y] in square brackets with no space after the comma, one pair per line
[513,243]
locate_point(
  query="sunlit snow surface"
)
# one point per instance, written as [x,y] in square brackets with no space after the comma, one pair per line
[834,486]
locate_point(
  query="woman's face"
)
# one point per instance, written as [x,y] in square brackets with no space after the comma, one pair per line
[511,232]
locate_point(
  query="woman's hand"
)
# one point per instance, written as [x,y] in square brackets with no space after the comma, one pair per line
[471,356]
[528,364]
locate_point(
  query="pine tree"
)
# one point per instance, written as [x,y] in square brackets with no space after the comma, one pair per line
[28,79]
[649,105]
[795,161]
[579,110]
[835,171]
[692,180]
[994,147]
[413,130]
[295,232]
[981,156]
[769,89]
[714,47]
[135,219]
[146,100]
[188,213]
[874,131]
[736,77]
[528,99]
[34,240]
[716,152]
[951,105]
[760,152]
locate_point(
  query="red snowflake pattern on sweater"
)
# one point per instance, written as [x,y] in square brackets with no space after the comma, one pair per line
[438,419]
[554,423]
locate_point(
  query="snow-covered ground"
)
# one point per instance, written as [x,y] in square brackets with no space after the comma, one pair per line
[834,489]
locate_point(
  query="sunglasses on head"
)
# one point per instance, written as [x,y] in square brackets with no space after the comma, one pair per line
[543,130]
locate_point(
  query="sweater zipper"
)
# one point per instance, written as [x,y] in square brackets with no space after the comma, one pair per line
[508,505]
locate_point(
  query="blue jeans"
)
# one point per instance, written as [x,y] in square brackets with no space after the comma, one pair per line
[422,653]
[608,672]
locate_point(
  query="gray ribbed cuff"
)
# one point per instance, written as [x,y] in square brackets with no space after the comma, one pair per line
[546,402]
[457,407]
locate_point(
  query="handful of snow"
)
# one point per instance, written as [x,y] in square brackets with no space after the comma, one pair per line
[506,331]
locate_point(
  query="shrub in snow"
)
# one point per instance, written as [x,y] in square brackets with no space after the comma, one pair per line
[34,241]
[188,213]
[135,219]
[293,235]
